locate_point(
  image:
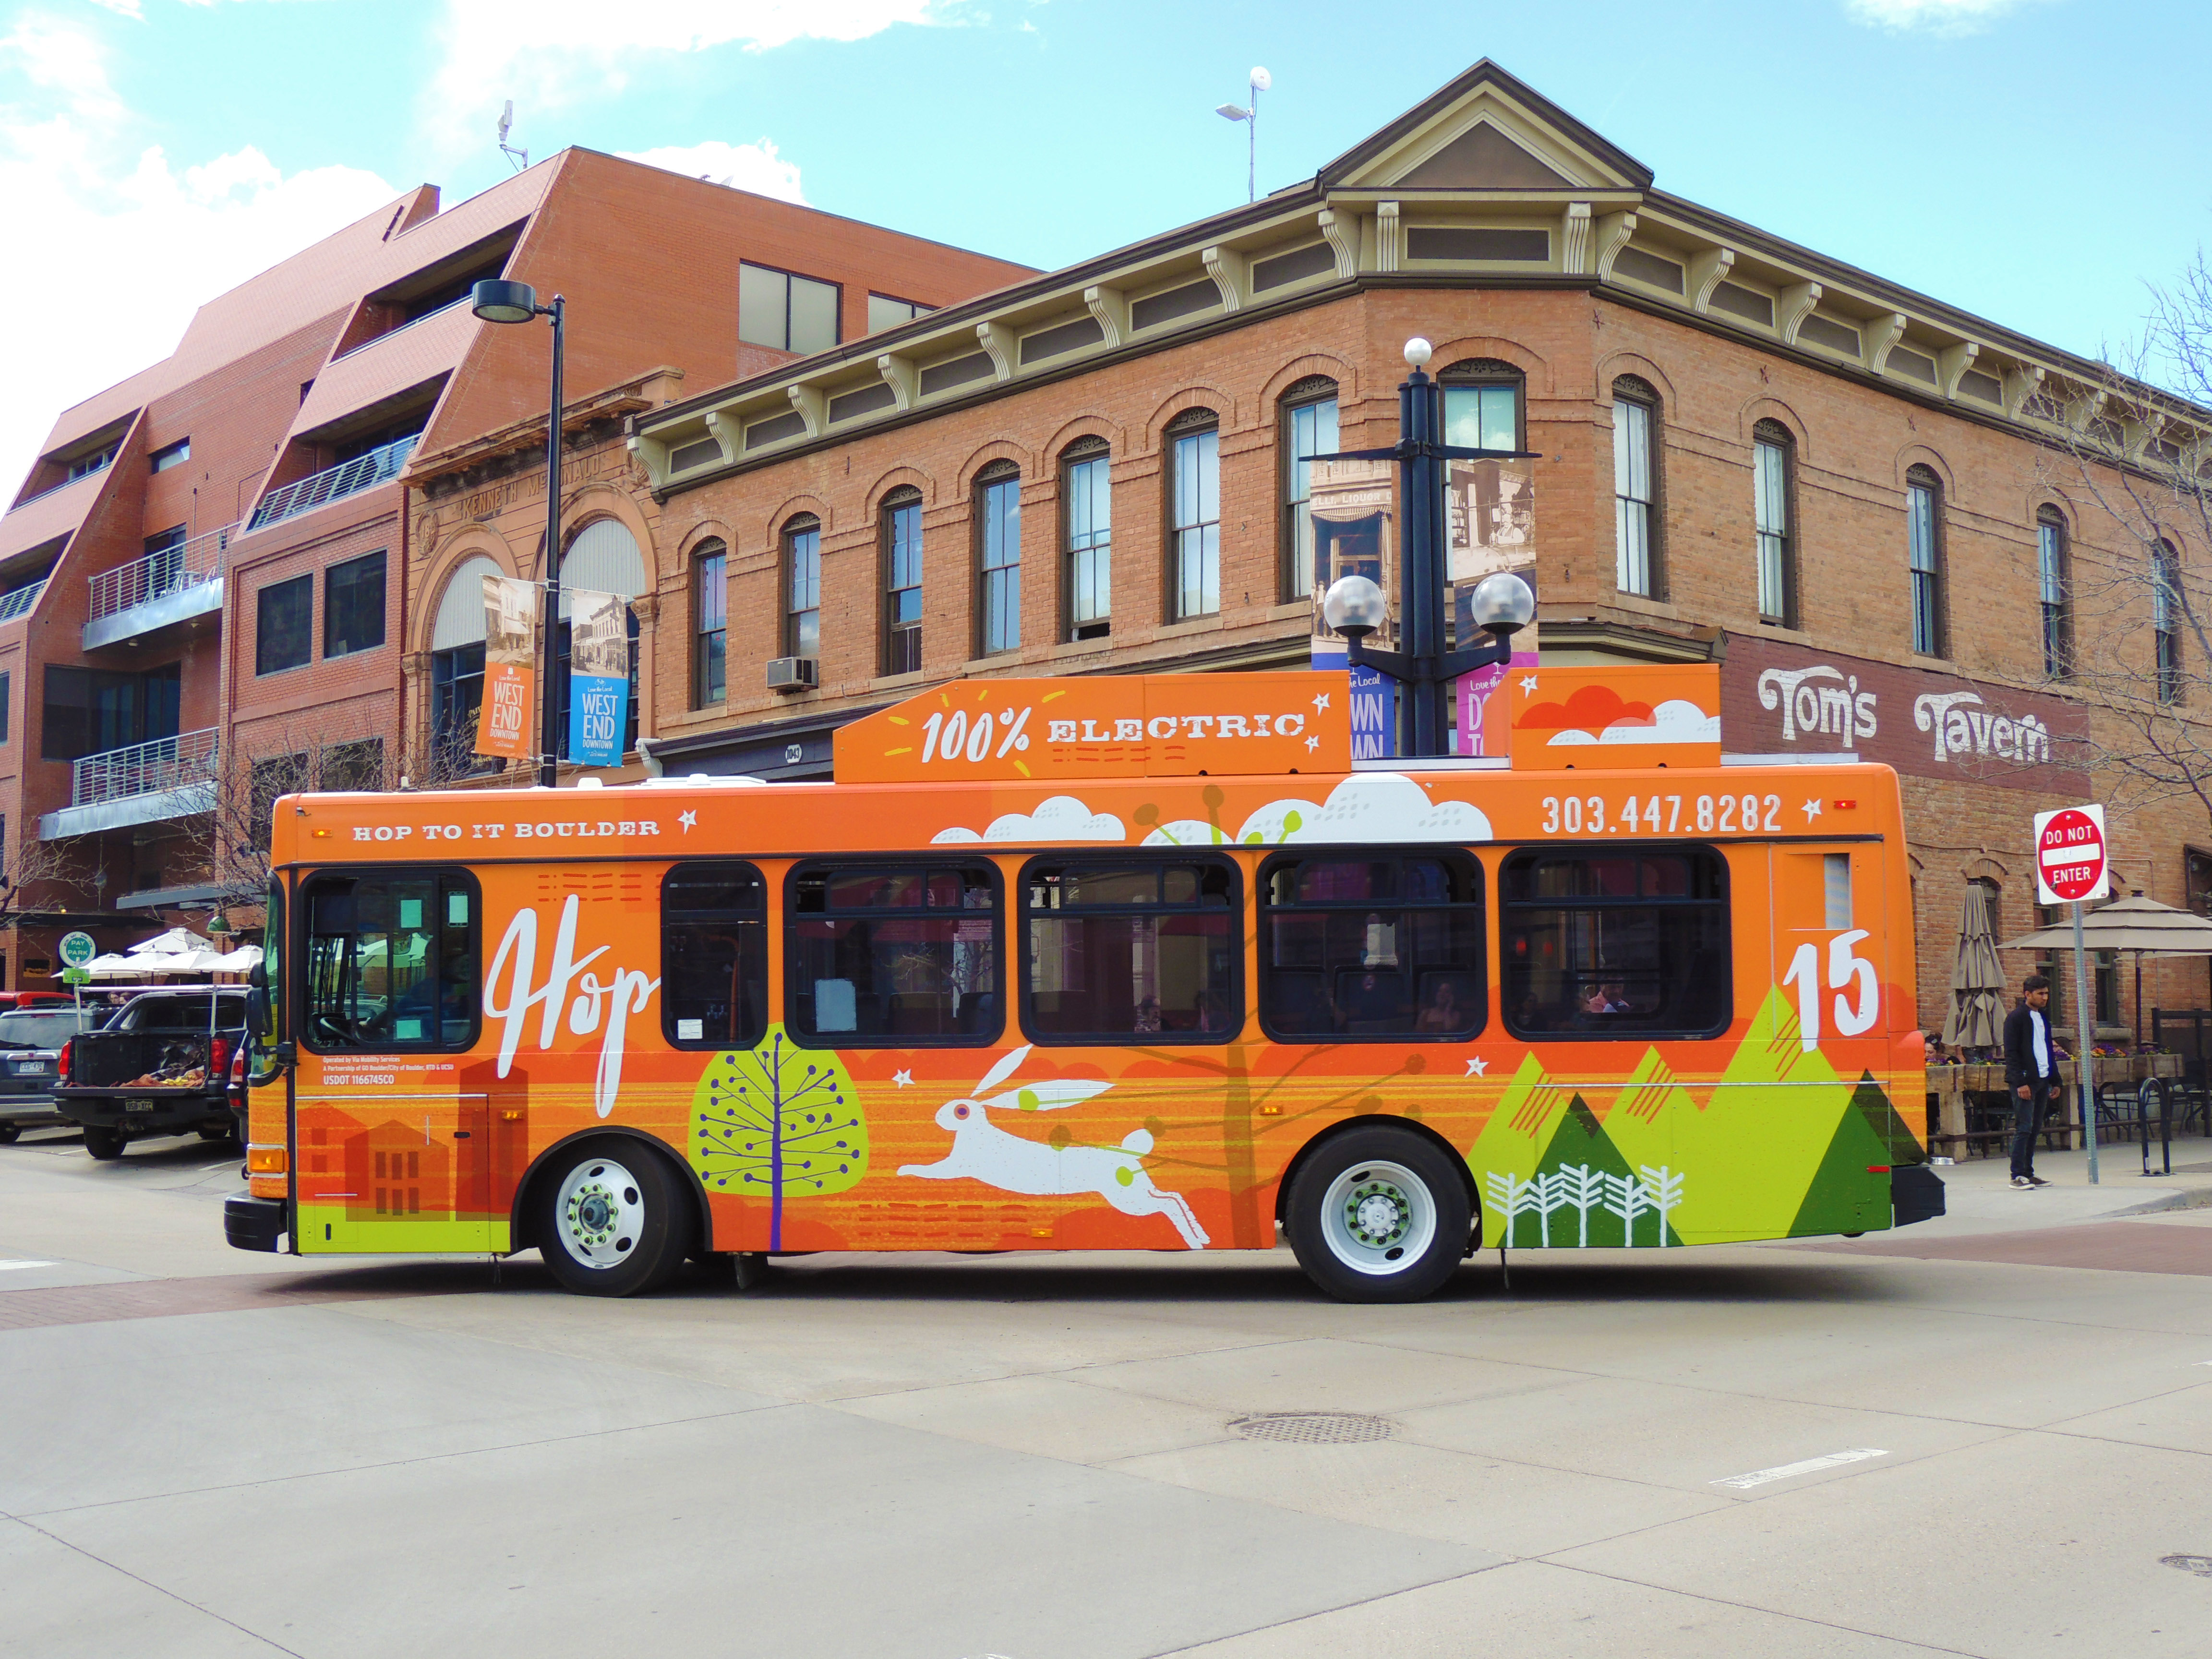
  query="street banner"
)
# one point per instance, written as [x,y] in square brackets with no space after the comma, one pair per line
[1490,525]
[504,721]
[599,677]
[1350,504]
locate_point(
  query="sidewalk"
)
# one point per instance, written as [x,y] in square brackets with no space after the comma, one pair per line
[1980,1198]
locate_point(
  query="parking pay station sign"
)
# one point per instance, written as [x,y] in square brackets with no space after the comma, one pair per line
[77,950]
[2070,864]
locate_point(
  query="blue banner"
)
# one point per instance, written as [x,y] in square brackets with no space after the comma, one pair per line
[598,711]
[1373,702]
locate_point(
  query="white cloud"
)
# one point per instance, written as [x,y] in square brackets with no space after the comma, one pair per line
[1369,806]
[756,168]
[1935,16]
[130,245]
[568,50]
[1672,721]
[1059,817]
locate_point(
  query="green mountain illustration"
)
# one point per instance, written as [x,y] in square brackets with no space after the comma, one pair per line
[1844,1197]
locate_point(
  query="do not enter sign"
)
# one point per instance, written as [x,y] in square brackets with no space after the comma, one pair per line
[2070,855]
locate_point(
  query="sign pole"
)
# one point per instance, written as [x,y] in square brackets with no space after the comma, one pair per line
[2084,1061]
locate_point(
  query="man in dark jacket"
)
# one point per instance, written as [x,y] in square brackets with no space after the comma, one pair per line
[2031,1073]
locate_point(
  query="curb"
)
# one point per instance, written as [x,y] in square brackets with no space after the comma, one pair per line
[2193,1197]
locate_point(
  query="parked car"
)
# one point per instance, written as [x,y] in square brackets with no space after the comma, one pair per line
[40,1000]
[30,1052]
[160,1067]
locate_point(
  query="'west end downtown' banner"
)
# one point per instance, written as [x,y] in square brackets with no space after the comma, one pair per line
[505,726]
[598,676]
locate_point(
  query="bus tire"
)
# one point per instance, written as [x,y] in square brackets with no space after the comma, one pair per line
[612,1218]
[1379,1214]
[104,1144]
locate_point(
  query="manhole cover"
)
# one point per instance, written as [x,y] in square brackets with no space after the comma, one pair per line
[1313,1428]
[2199,1564]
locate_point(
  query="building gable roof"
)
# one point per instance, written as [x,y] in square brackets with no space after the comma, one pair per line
[1486,129]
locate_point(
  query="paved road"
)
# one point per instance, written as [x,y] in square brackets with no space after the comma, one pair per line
[203,1452]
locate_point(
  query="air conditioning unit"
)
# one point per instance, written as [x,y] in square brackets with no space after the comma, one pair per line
[793,674]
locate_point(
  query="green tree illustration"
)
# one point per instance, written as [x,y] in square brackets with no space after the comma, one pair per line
[780,1119]
[1845,1196]
[1583,1178]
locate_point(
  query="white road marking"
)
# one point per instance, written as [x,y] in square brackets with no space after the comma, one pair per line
[4,1266]
[1760,1477]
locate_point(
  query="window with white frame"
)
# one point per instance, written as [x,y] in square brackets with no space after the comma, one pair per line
[1194,514]
[1635,564]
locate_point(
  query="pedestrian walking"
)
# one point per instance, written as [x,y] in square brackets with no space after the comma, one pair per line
[2032,1074]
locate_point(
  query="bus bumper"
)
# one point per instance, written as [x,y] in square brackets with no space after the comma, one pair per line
[256,1223]
[1915,1194]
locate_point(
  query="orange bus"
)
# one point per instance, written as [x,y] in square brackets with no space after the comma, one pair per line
[1130,963]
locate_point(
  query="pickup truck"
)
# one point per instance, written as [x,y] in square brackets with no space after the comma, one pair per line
[157,1068]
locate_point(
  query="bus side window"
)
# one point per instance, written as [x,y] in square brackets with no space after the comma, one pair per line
[892,956]
[393,961]
[1137,952]
[1633,943]
[1387,946]
[714,955]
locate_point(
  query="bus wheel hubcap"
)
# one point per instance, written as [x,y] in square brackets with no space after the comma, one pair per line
[1378,1218]
[599,1213]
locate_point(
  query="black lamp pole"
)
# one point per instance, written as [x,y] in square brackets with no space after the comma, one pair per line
[1425,666]
[497,301]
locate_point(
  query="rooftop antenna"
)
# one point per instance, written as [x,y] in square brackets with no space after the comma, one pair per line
[520,158]
[1249,115]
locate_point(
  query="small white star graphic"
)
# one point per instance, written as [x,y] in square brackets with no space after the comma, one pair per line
[688,820]
[1312,744]
[1529,684]
[904,1079]
[1477,1067]
[1321,700]
[1812,810]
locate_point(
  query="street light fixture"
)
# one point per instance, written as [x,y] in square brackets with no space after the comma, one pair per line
[1249,114]
[499,301]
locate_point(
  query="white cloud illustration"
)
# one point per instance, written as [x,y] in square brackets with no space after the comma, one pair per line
[1058,817]
[1673,722]
[1370,806]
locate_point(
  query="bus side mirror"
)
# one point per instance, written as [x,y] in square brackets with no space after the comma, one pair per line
[258,977]
[257,1009]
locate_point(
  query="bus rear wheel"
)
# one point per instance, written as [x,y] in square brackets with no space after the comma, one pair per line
[1378,1215]
[611,1219]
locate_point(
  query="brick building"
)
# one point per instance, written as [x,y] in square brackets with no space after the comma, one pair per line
[1846,493]
[205,580]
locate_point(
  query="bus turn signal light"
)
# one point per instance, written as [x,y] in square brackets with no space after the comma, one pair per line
[1877,1169]
[1843,805]
[267,1160]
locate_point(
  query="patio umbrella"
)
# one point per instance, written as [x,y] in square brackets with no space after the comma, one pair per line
[2140,927]
[1976,1019]
[178,941]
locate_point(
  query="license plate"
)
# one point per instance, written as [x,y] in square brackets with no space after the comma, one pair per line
[139,1105]
[26,1068]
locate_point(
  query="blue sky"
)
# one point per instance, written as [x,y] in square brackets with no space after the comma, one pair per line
[2034,160]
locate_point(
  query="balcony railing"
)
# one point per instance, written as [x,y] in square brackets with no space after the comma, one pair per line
[334,484]
[157,575]
[18,602]
[365,345]
[145,768]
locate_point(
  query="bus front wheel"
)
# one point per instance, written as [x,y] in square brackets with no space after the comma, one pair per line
[612,1220]
[1378,1215]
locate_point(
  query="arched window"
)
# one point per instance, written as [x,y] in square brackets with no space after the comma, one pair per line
[710,624]
[2053,555]
[2166,600]
[1636,516]
[1309,429]
[1774,520]
[1482,404]
[1086,494]
[998,558]
[1923,546]
[602,557]
[457,673]
[902,538]
[801,628]
[1194,514]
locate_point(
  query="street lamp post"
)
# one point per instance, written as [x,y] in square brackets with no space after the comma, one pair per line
[1354,606]
[499,301]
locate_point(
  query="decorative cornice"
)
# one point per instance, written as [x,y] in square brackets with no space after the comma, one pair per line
[1573,239]
[1388,240]
[1613,234]
[1227,267]
[1793,305]
[1706,270]
[1342,231]
[1111,309]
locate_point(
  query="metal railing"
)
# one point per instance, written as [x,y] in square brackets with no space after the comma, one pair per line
[410,323]
[335,483]
[18,603]
[157,575]
[145,768]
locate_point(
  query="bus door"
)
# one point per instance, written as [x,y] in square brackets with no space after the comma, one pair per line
[392,1131]
[1830,949]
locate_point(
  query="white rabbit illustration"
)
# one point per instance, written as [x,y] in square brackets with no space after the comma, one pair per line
[982,1152]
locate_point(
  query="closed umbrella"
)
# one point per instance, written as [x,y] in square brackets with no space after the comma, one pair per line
[2141,927]
[1976,1019]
